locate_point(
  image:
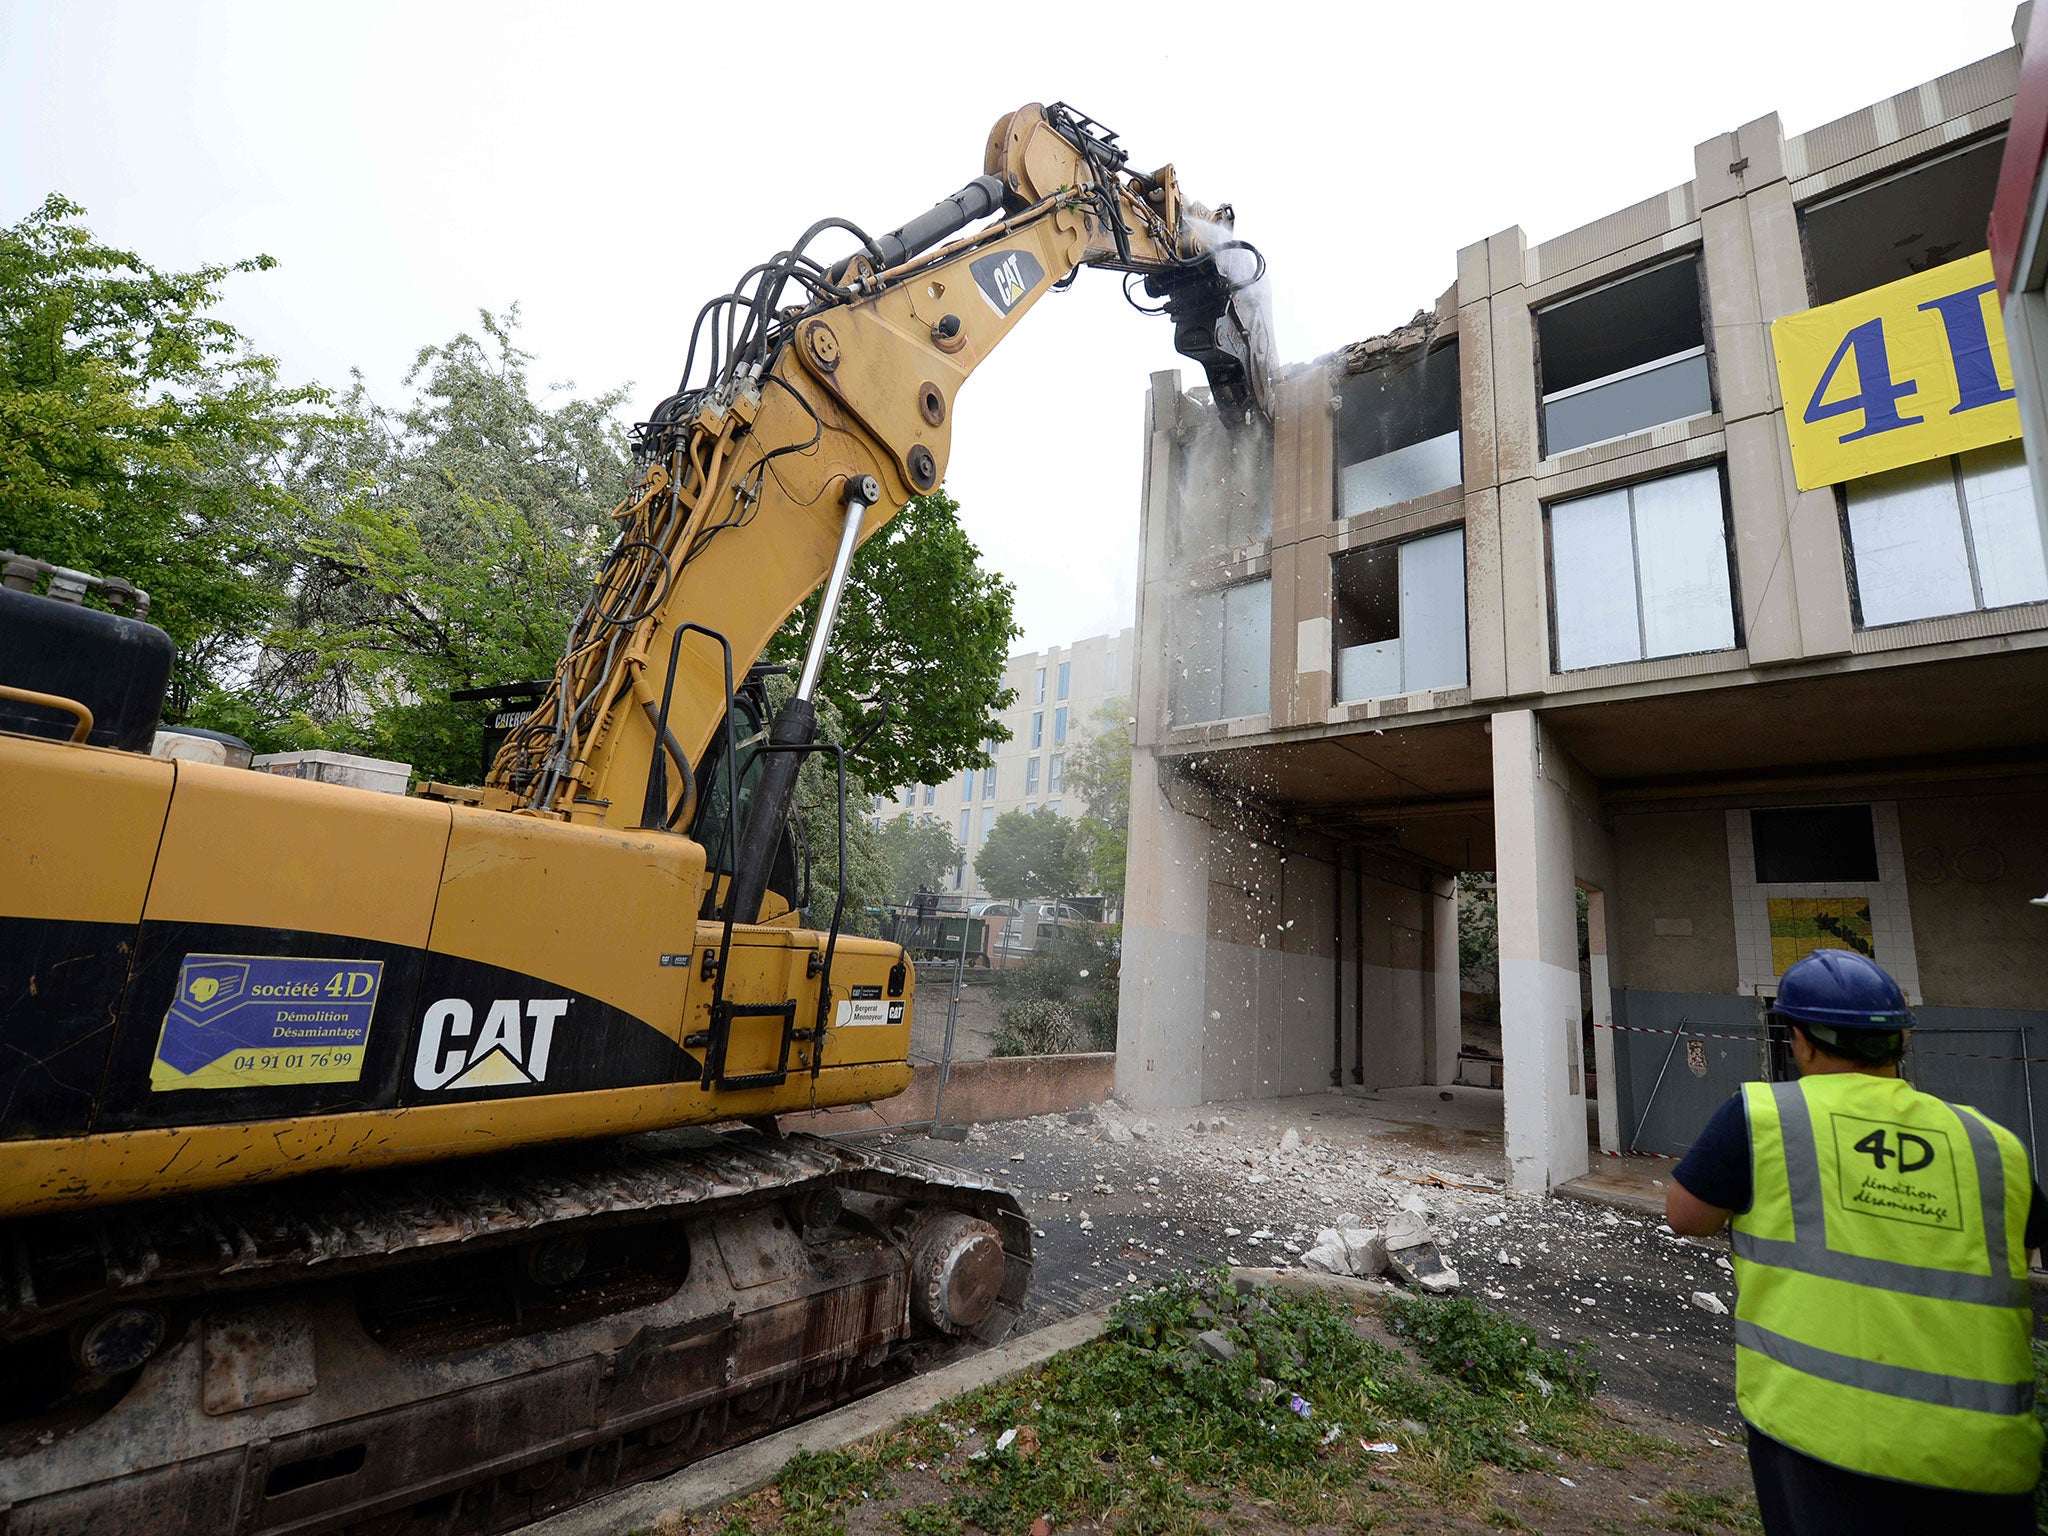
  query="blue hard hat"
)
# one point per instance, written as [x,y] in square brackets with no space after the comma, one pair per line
[1842,989]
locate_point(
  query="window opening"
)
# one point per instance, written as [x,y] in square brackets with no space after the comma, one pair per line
[1059,726]
[1221,653]
[1953,535]
[1814,845]
[1030,775]
[1397,431]
[1623,357]
[1400,616]
[1642,571]
[1920,218]
[1066,675]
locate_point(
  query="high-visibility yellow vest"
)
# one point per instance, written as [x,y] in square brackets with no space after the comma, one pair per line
[1882,1322]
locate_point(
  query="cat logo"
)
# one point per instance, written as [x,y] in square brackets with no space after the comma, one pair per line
[510,1050]
[1005,277]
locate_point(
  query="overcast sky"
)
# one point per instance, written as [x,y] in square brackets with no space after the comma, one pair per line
[608,167]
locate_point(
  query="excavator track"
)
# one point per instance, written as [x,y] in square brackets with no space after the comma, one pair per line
[472,1346]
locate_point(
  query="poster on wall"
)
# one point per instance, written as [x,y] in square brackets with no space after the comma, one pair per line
[1896,375]
[1802,924]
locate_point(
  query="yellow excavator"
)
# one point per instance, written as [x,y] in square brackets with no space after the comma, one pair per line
[393,1163]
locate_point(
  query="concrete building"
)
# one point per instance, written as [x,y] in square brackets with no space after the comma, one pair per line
[1531,585]
[1058,693]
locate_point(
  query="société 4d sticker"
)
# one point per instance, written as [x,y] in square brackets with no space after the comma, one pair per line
[258,1021]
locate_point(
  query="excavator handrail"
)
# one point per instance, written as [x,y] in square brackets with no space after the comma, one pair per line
[80,712]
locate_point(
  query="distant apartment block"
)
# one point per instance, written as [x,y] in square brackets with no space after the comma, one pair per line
[1059,692]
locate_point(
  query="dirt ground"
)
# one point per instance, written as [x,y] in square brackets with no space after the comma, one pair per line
[1698,1488]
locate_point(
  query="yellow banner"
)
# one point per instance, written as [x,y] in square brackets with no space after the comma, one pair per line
[1911,371]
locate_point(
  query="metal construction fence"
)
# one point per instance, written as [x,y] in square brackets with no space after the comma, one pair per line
[1678,1055]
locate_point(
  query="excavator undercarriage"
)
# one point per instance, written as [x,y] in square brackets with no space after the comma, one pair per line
[471,1347]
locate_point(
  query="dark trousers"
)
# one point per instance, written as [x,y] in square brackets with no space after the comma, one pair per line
[1799,1496]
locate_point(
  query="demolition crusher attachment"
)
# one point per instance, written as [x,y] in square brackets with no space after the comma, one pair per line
[472,1347]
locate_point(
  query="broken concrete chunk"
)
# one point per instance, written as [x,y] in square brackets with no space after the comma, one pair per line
[1330,1258]
[1290,1140]
[1117,1132]
[1422,1266]
[1216,1345]
[1366,1250]
[1412,1256]
[1707,1301]
[1081,1117]
[1407,1231]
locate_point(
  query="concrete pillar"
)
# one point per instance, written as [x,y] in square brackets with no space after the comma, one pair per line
[1794,586]
[1153,637]
[1487,642]
[1518,547]
[1447,1027]
[1542,1071]
[1160,1009]
[1303,481]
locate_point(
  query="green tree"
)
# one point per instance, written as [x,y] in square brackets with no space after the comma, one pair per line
[1099,771]
[141,436]
[924,626]
[1062,997]
[816,819]
[1031,853]
[918,852]
[442,547]
[1478,924]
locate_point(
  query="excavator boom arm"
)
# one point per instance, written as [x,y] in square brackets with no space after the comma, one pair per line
[740,506]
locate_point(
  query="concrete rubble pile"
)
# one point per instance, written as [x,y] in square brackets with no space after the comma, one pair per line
[1406,1249]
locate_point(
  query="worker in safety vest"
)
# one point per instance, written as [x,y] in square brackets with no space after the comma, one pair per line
[1882,1325]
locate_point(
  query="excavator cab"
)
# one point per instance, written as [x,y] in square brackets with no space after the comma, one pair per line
[789,877]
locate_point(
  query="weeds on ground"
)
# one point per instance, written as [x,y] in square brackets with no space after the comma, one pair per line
[2041,1416]
[1708,1514]
[1149,1433]
[1488,1353]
